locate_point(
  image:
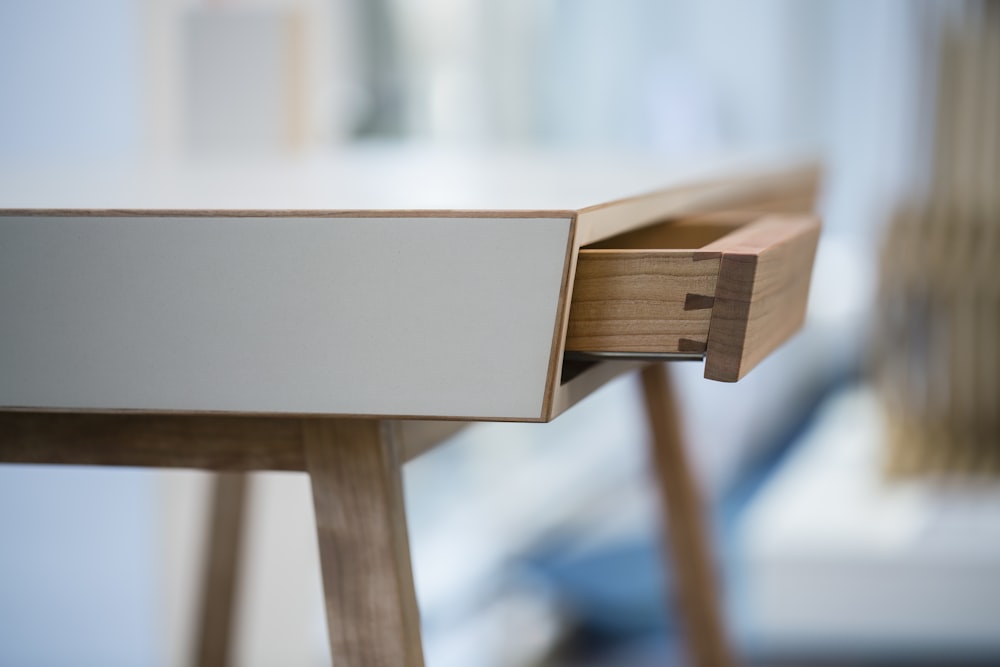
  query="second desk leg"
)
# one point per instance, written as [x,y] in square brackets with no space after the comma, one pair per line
[693,565]
[220,577]
[371,607]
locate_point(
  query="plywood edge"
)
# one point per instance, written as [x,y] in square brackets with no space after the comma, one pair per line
[557,349]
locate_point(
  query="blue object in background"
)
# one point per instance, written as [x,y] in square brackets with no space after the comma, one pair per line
[614,593]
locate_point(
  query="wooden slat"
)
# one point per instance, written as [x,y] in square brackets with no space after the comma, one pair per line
[371,608]
[761,293]
[161,441]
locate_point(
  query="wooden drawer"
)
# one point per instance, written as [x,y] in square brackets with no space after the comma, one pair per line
[730,288]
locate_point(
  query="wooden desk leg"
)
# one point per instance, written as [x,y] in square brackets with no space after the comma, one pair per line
[222,569]
[688,543]
[371,608]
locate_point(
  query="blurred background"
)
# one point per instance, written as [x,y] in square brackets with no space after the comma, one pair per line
[852,478]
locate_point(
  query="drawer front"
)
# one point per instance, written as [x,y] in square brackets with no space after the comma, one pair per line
[735,296]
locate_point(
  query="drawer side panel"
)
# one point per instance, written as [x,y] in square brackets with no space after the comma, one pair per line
[642,301]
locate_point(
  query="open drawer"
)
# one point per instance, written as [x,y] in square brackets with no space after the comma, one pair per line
[729,288]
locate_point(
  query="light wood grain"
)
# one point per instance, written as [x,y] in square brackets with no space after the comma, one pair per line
[642,301]
[222,563]
[648,290]
[655,289]
[686,233]
[688,544]
[765,188]
[636,222]
[371,608]
[761,292]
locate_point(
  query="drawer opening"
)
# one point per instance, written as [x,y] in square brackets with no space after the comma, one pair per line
[684,234]
[576,364]
[573,367]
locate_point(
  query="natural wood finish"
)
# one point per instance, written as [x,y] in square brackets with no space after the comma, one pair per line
[219,593]
[695,215]
[788,188]
[761,292]
[641,301]
[180,441]
[688,544]
[683,234]
[738,279]
[553,374]
[648,290]
[167,441]
[718,205]
[371,608]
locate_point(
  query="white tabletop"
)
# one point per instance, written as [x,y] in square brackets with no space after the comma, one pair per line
[373,178]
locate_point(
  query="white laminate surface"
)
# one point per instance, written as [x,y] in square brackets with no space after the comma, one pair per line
[399,316]
[372,179]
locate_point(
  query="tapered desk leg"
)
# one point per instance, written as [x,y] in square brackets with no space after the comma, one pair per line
[222,567]
[688,542]
[371,608]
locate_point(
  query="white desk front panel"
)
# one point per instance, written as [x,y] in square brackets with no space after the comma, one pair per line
[369,316]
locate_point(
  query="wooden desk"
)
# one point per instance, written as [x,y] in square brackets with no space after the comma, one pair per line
[236,318]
